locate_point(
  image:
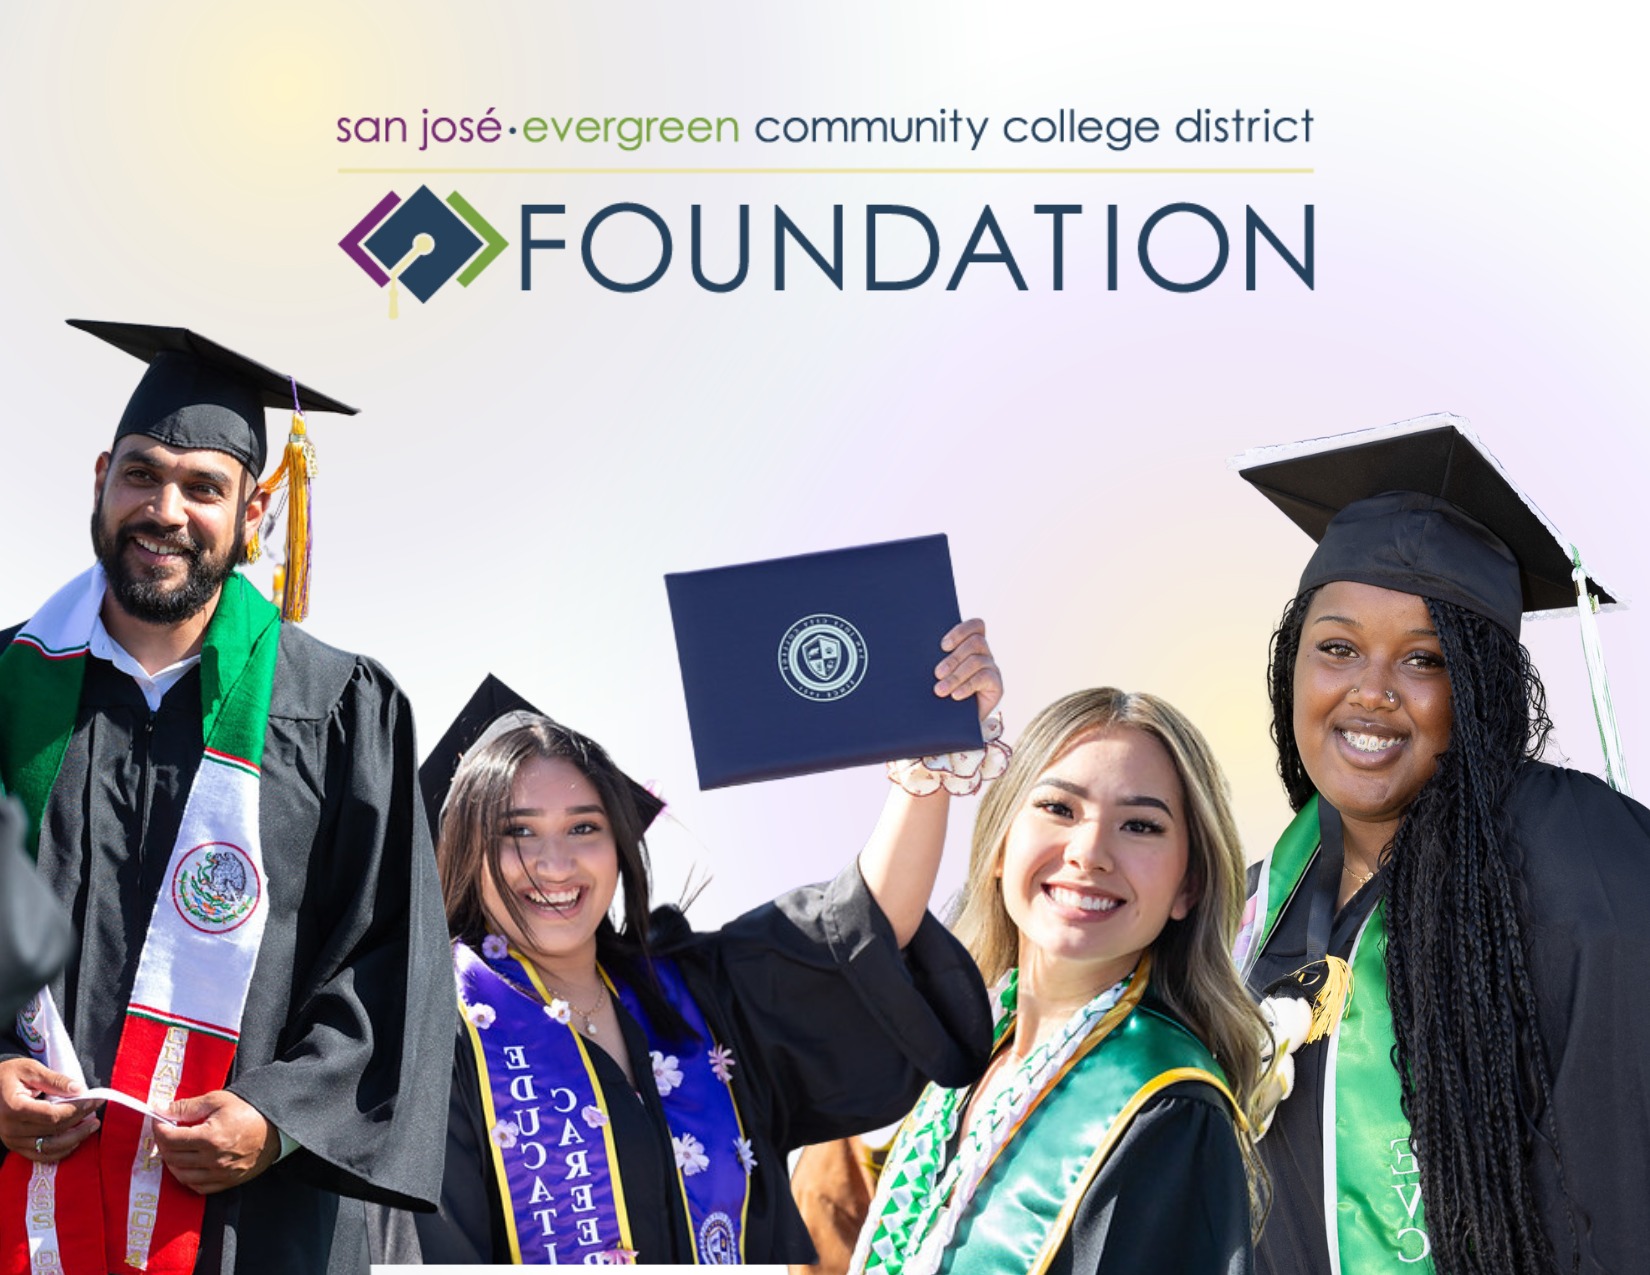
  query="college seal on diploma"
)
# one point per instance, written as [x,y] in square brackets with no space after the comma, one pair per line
[822,657]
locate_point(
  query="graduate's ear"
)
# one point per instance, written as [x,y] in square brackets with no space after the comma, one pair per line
[102,473]
[257,505]
[1191,890]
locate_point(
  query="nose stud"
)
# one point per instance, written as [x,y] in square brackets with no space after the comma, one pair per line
[1391,697]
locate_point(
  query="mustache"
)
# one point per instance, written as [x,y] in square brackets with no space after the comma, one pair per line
[179,538]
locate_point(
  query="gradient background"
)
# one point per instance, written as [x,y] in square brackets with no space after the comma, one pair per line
[528,464]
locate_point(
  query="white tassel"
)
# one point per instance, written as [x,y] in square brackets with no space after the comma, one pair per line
[1615,760]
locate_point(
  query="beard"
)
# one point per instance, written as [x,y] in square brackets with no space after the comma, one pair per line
[152,597]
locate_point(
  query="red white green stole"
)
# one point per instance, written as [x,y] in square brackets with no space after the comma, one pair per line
[548,1119]
[1373,1214]
[111,1206]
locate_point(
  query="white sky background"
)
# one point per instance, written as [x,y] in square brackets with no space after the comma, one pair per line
[528,464]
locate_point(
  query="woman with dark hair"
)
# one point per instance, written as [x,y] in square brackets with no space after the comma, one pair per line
[625,1088]
[1478,1102]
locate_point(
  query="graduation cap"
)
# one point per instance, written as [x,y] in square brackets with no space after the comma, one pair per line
[493,710]
[199,394]
[1421,507]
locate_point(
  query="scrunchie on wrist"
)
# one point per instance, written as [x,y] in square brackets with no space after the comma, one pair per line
[960,774]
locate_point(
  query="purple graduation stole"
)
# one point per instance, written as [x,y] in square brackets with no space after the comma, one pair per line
[548,1120]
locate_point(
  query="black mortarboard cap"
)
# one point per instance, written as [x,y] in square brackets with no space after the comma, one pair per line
[199,394]
[492,710]
[1421,507]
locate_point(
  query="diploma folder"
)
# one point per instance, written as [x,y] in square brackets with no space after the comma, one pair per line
[825,660]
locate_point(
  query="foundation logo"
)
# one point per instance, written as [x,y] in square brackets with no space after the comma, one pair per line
[822,657]
[215,887]
[422,242]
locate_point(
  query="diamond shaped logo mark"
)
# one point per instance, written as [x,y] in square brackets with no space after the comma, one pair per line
[422,242]
[453,243]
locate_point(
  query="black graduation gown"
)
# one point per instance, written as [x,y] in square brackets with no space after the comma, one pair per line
[346,1037]
[1172,1196]
[1584,863]
[833,1030]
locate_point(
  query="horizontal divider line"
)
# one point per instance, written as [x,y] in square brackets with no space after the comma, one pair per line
[793,172]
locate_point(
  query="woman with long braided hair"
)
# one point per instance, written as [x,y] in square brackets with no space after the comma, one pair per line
[1480,1102]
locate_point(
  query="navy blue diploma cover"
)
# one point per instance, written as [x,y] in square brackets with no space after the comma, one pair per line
[817,662]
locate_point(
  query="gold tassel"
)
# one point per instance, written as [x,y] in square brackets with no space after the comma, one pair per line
[254,550]
[297,470]
[1330,1002]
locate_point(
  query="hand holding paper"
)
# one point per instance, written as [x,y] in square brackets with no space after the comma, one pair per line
[219,1141]
[35,1120]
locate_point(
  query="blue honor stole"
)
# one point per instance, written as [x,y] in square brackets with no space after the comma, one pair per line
[549,1129]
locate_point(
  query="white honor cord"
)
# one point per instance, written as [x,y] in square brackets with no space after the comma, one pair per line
[1609,737]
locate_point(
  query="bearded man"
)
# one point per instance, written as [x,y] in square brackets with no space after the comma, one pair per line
[229,811]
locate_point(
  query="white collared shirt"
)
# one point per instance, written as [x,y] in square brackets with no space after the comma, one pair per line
[153,685]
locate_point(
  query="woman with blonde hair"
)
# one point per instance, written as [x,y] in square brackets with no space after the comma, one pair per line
[1110,1132]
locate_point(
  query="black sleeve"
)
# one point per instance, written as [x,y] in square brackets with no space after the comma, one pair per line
[1584,855]
[466,1229]
[1171,1198]
[365,1056]
[843,1028]
[35,936]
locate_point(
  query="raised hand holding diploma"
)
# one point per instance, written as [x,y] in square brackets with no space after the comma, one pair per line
[902,858]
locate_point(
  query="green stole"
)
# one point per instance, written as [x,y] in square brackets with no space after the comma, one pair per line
[1372,1185]
[1024,1205]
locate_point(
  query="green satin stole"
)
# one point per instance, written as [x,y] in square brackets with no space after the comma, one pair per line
[1025,1203]
[1373,1215]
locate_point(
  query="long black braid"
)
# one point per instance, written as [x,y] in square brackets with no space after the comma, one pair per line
[1477,1090]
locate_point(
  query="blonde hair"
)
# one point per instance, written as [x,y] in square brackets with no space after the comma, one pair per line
[1192,970]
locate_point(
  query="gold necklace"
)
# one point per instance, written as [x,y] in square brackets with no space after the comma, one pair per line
[533,994]
[586,1014]
[1362,878]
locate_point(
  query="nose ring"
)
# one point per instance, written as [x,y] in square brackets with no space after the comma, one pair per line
[1391,697]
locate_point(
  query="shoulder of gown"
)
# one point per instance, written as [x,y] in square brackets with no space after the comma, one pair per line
[1173,1196]
[312,678]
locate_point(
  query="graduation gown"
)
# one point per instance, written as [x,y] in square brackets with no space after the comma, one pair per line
[1171,1197]
[1583,855]
[833,1030]
[346,1037]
